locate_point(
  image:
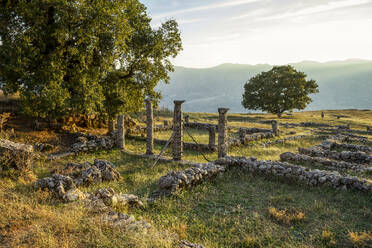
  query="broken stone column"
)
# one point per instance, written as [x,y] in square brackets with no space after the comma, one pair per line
[120,134]
[212,137]
[222,132]
[150,128]
[178,131]
[187,119]
[275,128]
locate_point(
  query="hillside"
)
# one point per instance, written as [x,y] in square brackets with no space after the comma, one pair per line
[342,84]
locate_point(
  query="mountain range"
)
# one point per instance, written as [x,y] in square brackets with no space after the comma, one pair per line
[342,85]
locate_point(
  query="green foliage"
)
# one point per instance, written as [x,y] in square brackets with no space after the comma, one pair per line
[280,89]
[67,57]
[144,63]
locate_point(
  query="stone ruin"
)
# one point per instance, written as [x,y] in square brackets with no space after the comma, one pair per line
[347,156]
[320,161]
[90,143]
[352,157]
[65,183]
[15,156]
[298,173]
[174,182]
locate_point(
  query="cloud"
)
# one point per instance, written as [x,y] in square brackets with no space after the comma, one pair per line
[317,9]
[205,7]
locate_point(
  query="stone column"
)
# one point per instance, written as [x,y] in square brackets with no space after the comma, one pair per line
[149,127]
[275,128]
[120,139]
[212,137]
[222,132]
[178,131]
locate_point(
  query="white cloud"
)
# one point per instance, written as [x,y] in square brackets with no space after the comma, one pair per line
[204,7]
[317,9]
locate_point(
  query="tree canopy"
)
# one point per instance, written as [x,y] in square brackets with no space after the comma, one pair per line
[67,57]
[278,90]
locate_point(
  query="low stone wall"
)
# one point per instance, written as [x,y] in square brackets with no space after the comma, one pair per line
[244,131]
[347,156]
[174,182]
[15,156]
[328,145]
[200,126]
[299,173]
[256,136]
[280,141]
[186,145]
[320,161]
[157,128]
[74,175]
[90,143]
[314,124]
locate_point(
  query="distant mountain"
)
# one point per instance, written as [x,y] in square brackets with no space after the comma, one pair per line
[342,84]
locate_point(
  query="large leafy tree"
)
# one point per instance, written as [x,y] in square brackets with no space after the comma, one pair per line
[80,56]
[145,62]
[278,90]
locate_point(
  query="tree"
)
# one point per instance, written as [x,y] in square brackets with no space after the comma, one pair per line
[81,57]
[145,62]
[278,90]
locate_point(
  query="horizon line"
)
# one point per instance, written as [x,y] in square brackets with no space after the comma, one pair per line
[290,63]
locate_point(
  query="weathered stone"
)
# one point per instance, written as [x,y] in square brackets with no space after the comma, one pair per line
[275,128]
[15,156]
[120,139]
[186,244]
[150,128]
[222,132]
[177,148]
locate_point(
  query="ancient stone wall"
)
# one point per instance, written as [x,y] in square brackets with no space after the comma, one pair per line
[174,182]
[320,161]
[298,173]
[348,156]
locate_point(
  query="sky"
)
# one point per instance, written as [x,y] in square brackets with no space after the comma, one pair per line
[267,31]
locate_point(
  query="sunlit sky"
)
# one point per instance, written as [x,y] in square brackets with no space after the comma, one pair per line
[267,31]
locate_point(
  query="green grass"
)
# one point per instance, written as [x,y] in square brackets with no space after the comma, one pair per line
[229,211]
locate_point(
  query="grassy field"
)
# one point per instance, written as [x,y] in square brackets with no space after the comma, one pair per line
[234,210]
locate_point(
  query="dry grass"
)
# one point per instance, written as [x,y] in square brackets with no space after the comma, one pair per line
[229,211]
[286,216]
[360,239]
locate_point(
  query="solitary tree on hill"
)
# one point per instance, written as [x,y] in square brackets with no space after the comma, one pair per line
[278,90]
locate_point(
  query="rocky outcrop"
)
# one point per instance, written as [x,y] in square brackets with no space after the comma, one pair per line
[299,173]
